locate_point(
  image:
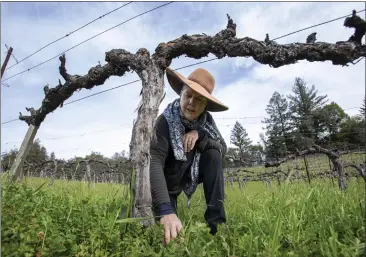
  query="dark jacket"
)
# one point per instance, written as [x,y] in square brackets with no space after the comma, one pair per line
[168,175]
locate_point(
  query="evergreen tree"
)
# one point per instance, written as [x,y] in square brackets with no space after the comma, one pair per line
[52,156]
[304,105]
[239,137]
[277,126]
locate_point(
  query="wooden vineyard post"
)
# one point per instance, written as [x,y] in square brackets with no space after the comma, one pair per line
[17,168]
[10,51]
[307,169]
[331,171]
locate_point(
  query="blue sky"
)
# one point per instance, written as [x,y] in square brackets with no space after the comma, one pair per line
[104,123]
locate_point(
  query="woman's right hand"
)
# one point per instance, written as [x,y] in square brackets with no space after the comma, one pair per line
[172,226]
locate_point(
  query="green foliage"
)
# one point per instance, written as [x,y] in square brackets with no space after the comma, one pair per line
[329,118]
[71,219]
[7,159]
[352,132]
[256,152]
[304,102]
[37,155]
[239,137]
[277,126]
[304,118]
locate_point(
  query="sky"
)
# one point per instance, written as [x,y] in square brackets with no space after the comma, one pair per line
[103,123]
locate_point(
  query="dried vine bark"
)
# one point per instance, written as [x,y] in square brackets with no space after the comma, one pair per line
[335,159]
[360,169]
[119,63]
[337,165]
[152,95]
[225,43]
[151,71]
[358,24]
[278,162]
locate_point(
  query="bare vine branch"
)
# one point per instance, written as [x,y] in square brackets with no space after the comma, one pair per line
[360,169]
[222,44]
[312,150]
[119,62]
[225,43]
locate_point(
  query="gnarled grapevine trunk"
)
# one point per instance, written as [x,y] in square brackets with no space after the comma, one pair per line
[338,168]
[152,95]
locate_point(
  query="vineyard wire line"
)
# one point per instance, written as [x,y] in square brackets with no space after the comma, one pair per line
[72,32]
[289,134]
[17,74]
[313,26]
[218,118]
[175,69]
[150,11]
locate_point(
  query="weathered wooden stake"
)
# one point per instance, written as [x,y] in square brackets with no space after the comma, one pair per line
[307,169]
[16,169]
[10,51]
[331,171]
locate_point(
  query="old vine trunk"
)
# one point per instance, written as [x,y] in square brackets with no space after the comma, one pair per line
[152,95]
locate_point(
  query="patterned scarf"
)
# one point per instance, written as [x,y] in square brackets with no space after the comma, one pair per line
[177,125]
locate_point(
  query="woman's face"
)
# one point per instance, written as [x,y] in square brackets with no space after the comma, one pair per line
[192,104]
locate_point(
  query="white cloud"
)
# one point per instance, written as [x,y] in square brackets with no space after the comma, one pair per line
[246,92]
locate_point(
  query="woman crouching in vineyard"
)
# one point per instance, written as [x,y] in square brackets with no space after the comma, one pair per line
[187,149]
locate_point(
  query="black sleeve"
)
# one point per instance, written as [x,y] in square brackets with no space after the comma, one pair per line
[159,151]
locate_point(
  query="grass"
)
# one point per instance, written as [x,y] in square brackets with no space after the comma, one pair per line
[72,219]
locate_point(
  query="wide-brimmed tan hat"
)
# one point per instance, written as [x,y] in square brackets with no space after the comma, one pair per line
[201,81]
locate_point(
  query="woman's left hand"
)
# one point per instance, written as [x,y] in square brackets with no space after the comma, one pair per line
[189,140]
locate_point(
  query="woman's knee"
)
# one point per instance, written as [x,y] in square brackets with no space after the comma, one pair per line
[211,155]
[210,165]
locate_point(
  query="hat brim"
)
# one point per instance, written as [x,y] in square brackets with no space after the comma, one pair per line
[177,81]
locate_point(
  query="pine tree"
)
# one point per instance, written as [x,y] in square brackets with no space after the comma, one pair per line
[239,137]
[277,126]
[304,105]
[52,156]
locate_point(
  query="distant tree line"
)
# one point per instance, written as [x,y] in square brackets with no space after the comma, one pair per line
[296,122]
[92,167]
[292,123]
